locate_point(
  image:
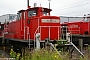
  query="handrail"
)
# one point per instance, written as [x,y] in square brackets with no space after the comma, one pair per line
[34,36]
[69,30]
[29,42]
[28,36]
[27,32]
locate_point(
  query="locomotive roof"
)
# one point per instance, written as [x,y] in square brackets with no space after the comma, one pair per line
[21,10]
[40,7]
[45,9]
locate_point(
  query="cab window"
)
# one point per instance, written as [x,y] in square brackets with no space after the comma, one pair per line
[32,13]
[1,27]
[45,13]
[19,16]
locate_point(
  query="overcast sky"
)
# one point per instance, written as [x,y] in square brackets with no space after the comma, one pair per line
[59,7]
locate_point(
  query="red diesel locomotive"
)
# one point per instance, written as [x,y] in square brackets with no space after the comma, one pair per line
[31,21]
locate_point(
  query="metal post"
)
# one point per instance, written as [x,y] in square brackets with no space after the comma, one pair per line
[63,33]
[66,33]
[38,41]
[49,3]
[29,41]
[34,42]
[27,3]
[71,37]
[3,38]
[81,44]
[40,32]
[68,37]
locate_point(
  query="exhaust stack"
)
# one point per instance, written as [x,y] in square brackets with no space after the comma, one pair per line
[28,4]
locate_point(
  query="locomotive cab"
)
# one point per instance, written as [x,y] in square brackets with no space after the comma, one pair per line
[38,11]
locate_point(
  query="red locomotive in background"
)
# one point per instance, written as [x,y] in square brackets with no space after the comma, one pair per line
[78,30]
[80,27]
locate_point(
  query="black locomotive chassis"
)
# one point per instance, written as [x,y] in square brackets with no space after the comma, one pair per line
[85,38]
